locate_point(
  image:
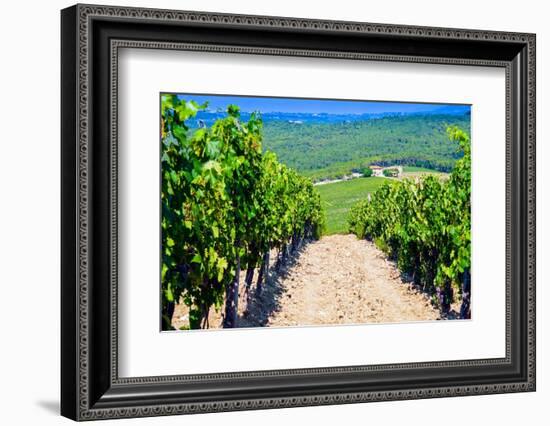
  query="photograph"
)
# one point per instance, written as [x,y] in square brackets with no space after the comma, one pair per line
[267,209]
[290,212]
[263,209]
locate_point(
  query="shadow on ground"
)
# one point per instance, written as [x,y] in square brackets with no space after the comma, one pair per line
[453,314]
[264,302]
[51,407]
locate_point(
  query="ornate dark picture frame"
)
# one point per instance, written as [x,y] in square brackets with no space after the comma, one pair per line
[90,38]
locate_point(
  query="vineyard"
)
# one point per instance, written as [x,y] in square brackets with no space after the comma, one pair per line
[424,224]
[239,229]
[225,206]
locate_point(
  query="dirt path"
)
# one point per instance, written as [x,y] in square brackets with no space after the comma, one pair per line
[343,280]
[336,280]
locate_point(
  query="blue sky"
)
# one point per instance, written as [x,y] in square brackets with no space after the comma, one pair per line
[293,105]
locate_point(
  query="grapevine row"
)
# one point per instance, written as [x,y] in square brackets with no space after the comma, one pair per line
[424,224]
[225,205]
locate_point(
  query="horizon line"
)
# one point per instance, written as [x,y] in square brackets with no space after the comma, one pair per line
[274,104]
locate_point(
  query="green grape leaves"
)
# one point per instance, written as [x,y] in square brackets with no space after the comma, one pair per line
[423,224]
[224,204]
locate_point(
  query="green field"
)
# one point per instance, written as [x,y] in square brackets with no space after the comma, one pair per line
[337,198]
[415,172]
[412,169]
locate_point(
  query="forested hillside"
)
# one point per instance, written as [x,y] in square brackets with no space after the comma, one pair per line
[330,150]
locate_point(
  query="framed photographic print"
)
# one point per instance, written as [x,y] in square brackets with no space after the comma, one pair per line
[263,212]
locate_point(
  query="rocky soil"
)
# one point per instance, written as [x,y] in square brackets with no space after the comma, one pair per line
[336,280]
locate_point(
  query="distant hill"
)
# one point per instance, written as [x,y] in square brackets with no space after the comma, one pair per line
[332,145]
[333,149]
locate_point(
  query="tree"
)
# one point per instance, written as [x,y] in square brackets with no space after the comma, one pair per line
[390,172]
[367,172]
